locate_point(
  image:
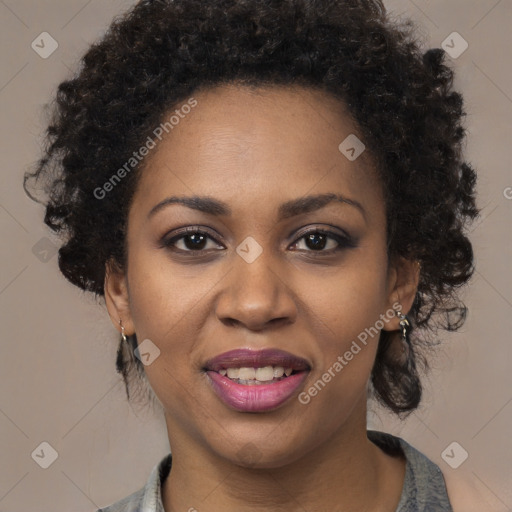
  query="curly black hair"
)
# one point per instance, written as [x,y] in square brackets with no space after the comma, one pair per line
[158,53]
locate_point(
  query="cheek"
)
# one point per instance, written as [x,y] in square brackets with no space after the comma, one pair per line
[163,297]
[165,307]
[349,299]
[346,354]
[344,319]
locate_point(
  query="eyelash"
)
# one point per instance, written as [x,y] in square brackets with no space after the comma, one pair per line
[344,241]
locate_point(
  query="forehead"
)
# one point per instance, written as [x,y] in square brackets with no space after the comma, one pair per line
[246,145]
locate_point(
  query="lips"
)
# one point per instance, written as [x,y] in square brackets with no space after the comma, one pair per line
[245,358]
[253,395]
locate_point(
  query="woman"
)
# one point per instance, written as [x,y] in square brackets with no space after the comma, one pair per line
[272,199]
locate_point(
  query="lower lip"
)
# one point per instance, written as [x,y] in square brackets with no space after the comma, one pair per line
[256,397]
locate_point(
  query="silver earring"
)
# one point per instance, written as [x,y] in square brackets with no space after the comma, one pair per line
[405,325]
[123,335]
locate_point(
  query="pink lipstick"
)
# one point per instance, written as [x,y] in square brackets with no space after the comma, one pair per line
[256,380]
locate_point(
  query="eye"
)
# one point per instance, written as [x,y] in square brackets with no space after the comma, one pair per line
[316,240]
[191,239]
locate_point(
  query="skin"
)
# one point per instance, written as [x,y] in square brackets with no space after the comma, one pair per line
[253,150]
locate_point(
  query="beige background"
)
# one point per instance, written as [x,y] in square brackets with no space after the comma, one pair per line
[57,365]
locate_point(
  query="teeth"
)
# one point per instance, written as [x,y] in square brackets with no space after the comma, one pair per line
[278,371]
[265,374]
[247,373]
[233,373]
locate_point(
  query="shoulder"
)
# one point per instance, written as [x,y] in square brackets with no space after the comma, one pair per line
[424,487]
[463,494]
[426,483]
[131,503]
[148,498]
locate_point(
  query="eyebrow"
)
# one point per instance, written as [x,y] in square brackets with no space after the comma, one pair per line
[286,210]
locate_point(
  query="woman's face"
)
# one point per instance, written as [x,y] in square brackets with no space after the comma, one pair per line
[256,281]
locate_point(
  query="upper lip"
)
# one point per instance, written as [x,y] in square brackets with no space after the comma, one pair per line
[247,358]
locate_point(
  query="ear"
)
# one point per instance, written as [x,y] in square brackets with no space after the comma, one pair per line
[403,279]
[117,298]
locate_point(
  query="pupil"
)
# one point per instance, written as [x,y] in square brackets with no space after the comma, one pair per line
[315,245]
[197,239]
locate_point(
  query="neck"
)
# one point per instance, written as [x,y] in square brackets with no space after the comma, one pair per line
[346,473]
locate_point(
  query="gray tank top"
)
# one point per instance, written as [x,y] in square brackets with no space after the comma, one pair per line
[424,489]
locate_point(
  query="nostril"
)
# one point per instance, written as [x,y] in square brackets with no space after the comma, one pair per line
[230,322]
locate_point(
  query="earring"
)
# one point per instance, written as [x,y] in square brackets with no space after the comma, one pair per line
[123,335]
[405,325]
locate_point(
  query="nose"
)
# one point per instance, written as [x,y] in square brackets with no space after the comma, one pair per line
[255,295]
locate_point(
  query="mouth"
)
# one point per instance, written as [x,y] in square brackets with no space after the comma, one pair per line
[256,381]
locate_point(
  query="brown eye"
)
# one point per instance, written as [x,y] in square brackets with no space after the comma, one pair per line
[192,240]
[317,240]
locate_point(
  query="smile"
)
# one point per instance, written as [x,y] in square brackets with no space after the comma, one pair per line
[256,381]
